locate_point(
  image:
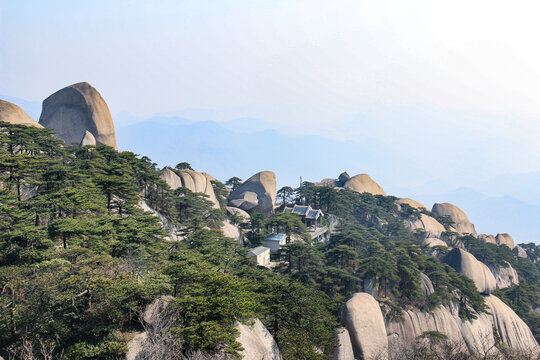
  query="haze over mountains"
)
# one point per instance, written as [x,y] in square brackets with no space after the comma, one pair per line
[505,203]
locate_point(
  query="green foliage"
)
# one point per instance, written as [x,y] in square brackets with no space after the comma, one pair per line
[233,183]
[183,166]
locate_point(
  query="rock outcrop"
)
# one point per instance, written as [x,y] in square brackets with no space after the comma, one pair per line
[504,276]
[362,183]
[488,239]
[75,109]
[476,334]
[136,346]
[505,239]
[257,341]
[258,193]
[171,228]
[427,285]
[364,321]
[512,330]
[232,231]
[88,139]
[520,252]
[344,350]
[432,242]
[426,226]
[343,178]
[465,263]
[238,212]
[461,221]
[412,203]
[13,114]
[192,180]
[158,316]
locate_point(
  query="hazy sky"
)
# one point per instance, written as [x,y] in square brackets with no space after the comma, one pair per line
[455,84]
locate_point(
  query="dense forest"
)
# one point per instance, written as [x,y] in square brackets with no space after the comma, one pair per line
[80,260]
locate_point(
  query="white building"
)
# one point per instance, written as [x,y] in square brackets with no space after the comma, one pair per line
[261,255]
[275,242]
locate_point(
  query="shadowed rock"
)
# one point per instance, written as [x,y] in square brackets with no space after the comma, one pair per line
[75,109]
[257,193]
[466,264]
[13,114]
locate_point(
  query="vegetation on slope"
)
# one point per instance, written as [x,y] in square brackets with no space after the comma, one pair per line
[79,260]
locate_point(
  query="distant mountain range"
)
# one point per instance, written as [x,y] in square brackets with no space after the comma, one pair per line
[241,147]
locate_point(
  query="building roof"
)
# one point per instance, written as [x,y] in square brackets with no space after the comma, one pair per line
[276,237]
[258,250]
[305,211]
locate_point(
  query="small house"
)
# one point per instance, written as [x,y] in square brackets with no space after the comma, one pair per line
[275,242]
[310,217]
[261,255]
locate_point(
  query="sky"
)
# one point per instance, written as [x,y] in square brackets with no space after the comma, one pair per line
[452,86]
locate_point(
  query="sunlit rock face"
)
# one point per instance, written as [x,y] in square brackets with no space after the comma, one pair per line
[192,180]
[477,334]
[488,239]
[13,114]
[461,221]
[504,276]
[362,183]
[257,341]
[344,350]
[258,193]
[412,203]
[519,252]
[466,264]
[75,109]
[426,225]
[505,239]
[364,321]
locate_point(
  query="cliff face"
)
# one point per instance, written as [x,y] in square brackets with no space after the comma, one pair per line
[476,334]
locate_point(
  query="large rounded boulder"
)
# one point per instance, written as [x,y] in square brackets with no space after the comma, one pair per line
[505,239]
[466,264]
[362,183]
[13,114]
[75,109]
[426,225]
[461,221]
[258,193]
[488,239]
[365,323]
[192,180]
[412,203]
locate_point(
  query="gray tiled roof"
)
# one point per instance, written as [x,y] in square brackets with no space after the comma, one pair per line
[258,250]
